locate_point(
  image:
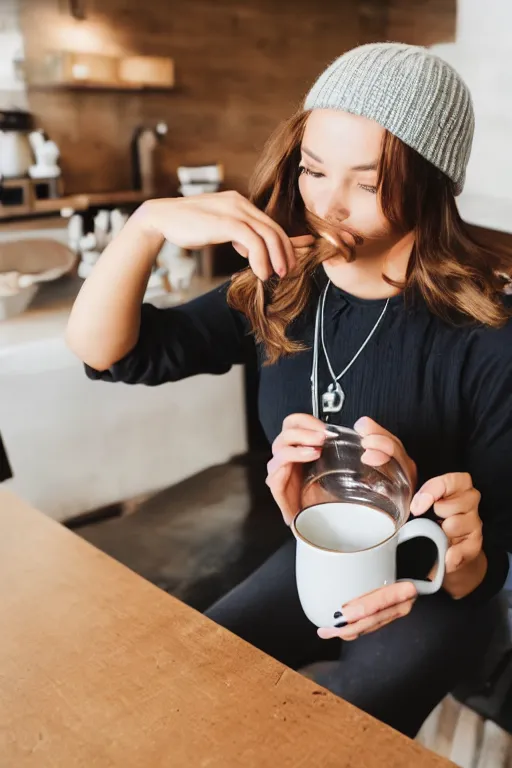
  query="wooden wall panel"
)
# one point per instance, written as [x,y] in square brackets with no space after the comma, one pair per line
[421,22]
[241,67]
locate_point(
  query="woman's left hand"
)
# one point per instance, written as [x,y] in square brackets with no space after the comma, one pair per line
[456,502]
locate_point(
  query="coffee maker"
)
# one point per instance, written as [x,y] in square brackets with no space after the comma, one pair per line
[15,152]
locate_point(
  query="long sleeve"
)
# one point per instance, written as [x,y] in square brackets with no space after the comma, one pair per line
[202,336]
[5,467]
[488,399]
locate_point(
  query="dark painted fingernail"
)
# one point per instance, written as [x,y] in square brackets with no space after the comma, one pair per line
[341,624]
[337,615]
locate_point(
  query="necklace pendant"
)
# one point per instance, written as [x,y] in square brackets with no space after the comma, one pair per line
[333,399]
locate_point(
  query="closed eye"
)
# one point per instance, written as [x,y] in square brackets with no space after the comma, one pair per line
[369,188]
[308,172]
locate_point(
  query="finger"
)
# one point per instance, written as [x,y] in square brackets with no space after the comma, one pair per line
[459,504]
[297,436]
[366,426]
[462,525]
[249,212]
[292,455]
[374,458]
[463,553]
[379,625]
[255,213]
[278,485]
[302,241]
[241,249]
[378,620]
[303,421]
[379,600]
[277,251]
[278,477]
[379,449]
[244,252]
[370,623]
[249,244]
[389,445]
[380,445]
[438,488]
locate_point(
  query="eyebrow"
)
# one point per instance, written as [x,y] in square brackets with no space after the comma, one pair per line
[312,155]
[366,166]
[362,167]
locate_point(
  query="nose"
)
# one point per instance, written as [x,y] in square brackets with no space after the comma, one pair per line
[333,206]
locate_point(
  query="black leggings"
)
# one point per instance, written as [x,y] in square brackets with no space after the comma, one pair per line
[397,674]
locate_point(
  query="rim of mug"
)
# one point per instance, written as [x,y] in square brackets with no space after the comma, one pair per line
[300,536]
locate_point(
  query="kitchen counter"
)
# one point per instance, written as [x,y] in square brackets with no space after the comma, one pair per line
[76,445]
[48,314]
[46,317]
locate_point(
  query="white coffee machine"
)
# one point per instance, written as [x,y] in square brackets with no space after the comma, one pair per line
[16,155]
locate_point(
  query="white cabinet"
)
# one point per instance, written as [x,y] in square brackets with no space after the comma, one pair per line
[76,445]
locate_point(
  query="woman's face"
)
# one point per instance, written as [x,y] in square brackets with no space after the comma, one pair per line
[338,177]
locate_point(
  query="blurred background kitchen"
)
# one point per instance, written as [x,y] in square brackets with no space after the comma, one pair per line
[106,103]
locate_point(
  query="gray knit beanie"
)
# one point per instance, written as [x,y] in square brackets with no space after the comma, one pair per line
[416,96]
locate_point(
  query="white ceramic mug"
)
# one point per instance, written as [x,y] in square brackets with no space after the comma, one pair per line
[327,577]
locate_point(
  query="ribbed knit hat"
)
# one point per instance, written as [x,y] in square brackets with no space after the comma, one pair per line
[416,96]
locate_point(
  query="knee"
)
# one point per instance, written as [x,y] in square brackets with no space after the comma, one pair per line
[379,696]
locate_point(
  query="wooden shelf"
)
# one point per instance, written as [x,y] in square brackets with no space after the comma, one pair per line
[29,223]
[117,198]
[73,70]
[77,202]
[88,200]
[91,86]
[56,204]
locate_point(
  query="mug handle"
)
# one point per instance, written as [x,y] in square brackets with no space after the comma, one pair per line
[430,530]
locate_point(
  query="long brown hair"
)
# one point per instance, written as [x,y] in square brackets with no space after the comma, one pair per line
[459,278]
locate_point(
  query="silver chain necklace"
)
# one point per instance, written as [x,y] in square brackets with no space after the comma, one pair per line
[334,398]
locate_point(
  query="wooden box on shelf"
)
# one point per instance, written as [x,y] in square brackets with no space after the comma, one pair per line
[147,71]
[48,189]
[67,69]
[23,196]
[17,197]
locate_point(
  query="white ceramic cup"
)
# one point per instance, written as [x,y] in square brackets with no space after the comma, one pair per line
[328,577]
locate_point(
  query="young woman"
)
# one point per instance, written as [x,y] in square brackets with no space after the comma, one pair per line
[386,315]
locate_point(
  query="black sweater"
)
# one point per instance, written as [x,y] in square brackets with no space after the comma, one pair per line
[444,390]
[5,467]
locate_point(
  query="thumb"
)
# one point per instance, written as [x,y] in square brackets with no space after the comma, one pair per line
[278,483]
[302,241]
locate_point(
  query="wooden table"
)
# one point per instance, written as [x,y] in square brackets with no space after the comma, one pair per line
[100,668]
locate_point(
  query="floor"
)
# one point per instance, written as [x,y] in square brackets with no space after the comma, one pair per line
[461,735]
[198,539]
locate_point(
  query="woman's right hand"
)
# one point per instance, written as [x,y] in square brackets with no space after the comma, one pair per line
[221,217]
[300,442]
